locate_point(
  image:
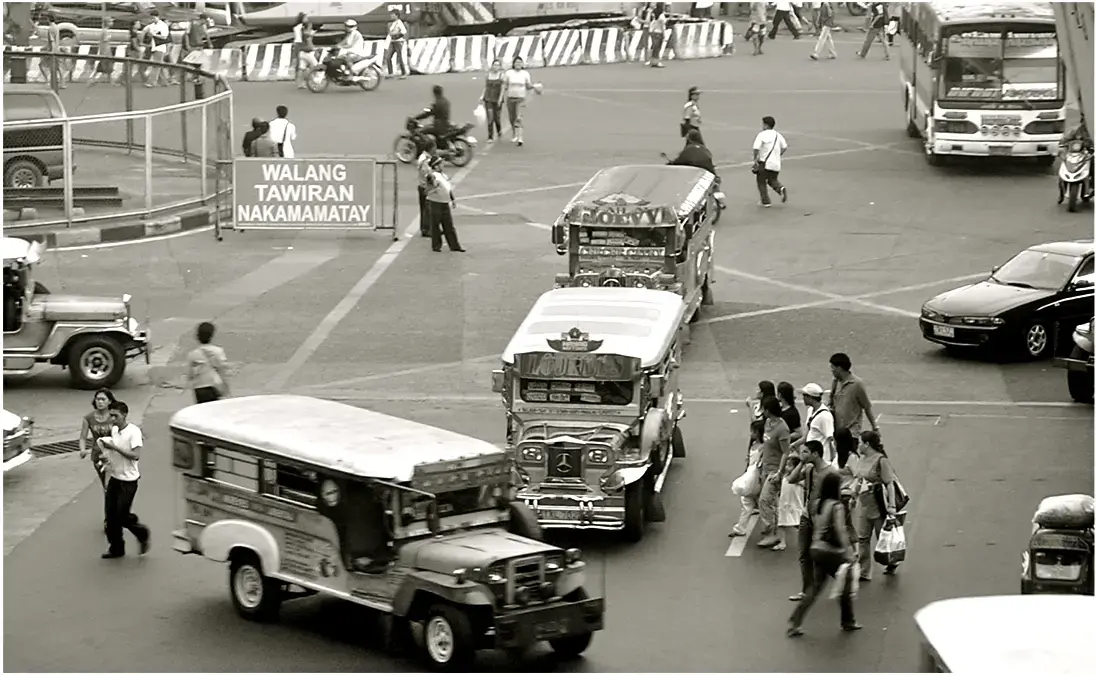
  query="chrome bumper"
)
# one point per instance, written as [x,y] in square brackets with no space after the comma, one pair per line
[563,511]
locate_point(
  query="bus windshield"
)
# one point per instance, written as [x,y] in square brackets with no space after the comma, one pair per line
[1002,65]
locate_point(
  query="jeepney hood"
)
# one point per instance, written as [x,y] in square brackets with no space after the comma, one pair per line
[479,548]
[559,425]
[80,308]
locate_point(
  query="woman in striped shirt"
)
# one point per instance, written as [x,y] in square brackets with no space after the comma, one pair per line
[516,84]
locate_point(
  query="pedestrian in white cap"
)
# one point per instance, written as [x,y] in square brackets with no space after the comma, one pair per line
[819,426]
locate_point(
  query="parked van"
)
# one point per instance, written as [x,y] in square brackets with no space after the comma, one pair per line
[35,153]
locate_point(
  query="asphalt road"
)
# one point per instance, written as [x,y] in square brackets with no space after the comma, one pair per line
[977,443]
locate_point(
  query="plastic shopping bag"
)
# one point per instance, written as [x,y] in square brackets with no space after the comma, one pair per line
[891,548]
[795,21]
[749,483]
[480,115]
[846,580]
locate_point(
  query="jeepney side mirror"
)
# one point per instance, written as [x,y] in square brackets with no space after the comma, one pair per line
[498,381]
[656,385]
[558,235]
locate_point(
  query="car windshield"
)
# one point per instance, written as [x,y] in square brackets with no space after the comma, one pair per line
[1037,269]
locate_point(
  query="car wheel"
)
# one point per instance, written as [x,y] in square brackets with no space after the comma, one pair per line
[1079,381]
[1036,340]
[447,638]
[96,361]
[572,646]
[635,507]
[256,597]
[22,173]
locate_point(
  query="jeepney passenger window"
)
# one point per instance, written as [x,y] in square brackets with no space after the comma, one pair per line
[232,468]
[299,486]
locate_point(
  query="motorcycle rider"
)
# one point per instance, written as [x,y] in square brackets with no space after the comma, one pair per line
[695,153]
[439,111]
[1080,133]
[350,49]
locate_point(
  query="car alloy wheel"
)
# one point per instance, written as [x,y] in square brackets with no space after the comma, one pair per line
[1036,340]
[247,584]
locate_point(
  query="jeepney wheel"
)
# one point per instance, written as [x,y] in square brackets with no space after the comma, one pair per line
[635,511]
[255,597]
[96,361]
[572,646]
[447,638]
[1080,382]
[677,442]
[524,523]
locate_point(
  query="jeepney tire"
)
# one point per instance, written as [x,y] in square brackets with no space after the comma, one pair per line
[524,523]
[635,507]
[106,347]
[270,596]
[1080,382]
[572,646]
[452,621]
[677,442]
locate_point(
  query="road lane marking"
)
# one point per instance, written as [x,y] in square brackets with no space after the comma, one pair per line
[400,373]
[328,324]
[738,544]
[834,297]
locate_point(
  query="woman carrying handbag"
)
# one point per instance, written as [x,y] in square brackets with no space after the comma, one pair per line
[875,484]
[830,550]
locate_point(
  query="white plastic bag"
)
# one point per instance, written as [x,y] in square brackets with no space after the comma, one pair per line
[795,21]
[847,578]
[1065,511]
[749,483]
[891,547]
[480,115]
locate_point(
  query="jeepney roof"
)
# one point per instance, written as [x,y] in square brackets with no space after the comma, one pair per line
[681,188]
[16,249]
[1011,634]
[634,322]
[990,11]
[329,435]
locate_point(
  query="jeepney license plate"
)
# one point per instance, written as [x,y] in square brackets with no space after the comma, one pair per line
[1000,149]
[555,514]
[943,331]
[546,630]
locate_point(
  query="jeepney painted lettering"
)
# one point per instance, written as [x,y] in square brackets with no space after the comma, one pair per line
[308,557]
[551,366]
[200,492]
[652,252]
[623,215]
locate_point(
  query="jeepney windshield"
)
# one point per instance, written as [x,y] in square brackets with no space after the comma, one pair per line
[642,237]
[486,497]
[1002,65]
[572,392]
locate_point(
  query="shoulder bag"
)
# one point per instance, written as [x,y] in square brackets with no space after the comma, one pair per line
[901,497]
[756,168]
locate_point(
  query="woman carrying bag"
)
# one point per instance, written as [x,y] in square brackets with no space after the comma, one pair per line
[830,550]
[875,484]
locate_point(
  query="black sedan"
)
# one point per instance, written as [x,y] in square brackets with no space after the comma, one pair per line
[1018,307]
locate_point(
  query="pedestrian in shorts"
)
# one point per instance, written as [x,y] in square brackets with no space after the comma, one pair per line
[123,451]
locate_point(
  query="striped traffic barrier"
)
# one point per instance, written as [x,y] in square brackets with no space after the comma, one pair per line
[604,45]
[430,56]
[636,45]
[82,63]
[528,47]
[470,53]
[228,63]
[701,40]
[562,47]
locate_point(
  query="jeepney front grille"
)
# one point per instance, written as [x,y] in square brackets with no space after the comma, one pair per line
[526,579]
[565,461]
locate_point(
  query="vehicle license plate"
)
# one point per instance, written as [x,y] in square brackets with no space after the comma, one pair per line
[546,630]
[555,514]
[943,331]
[1000,149]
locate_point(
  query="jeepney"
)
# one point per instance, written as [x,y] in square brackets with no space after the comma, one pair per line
[1005,634]
[589,384]
[642,226]
[92,337]
[303,496]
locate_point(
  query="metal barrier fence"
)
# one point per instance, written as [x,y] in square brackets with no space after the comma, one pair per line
[156,155]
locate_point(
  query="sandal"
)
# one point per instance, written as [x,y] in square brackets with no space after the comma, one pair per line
[780,547]
[797,597]
[794,631]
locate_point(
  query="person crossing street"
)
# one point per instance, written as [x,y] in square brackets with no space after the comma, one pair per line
[825,32]
[123,451]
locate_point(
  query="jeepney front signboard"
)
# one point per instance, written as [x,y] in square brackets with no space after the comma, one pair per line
[302,193]
[576,366]
[621,209]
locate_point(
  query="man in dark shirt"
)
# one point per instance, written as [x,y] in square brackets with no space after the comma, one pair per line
[250,136]
[439,112]
[876,25]
[849,403]
[694,153]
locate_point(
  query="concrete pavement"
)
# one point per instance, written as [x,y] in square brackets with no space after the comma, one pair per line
[867,217]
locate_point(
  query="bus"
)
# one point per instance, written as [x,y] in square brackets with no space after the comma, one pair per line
[983,80]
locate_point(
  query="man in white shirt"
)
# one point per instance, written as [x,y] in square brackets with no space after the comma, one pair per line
[122,451]
[425,170]
[784,12]
[396,45]
[767,149]
[157,34]
[819,421]
[283,132]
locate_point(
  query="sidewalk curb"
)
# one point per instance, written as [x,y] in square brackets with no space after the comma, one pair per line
[113,233]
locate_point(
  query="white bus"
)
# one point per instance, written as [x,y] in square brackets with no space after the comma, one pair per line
[983,80]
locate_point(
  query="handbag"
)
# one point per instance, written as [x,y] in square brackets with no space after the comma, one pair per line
[823,550]
[891,547]
[480,114]
[749,483]
[756,168]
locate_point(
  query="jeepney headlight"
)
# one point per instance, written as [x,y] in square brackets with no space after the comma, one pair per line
[572,556]
[585,284]
[611,482]
[1025,564]
[522,596]
[131,325]
[629,452]
[598,456]
[554,562]
[532,453]
[460,575]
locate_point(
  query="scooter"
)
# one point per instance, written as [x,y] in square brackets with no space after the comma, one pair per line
[456,146]
[349,70]
[1075,180]
[720,198]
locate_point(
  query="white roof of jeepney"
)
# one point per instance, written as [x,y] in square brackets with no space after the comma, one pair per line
[635,322]
[1012,633]
[950,12]
[15,248]
[329,435]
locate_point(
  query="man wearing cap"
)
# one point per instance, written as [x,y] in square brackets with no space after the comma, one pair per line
[819,421]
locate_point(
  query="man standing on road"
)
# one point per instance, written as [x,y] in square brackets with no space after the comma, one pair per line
[819,425]
[264,145]
[283,132]
[425,170]
[825,31]
[810,471]
[768,147]
[877,24]
[397,44]
[158,34]
[123,450]
[783,13]
[441,198]
[849,401]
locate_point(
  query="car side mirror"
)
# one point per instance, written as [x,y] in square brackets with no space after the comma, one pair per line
[1082,282]
[498,381]
[656,385]
[557,235]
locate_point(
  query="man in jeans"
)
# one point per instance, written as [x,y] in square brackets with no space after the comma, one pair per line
[877,24]
[767,150]
[825,32]
[811,470]
[122,451]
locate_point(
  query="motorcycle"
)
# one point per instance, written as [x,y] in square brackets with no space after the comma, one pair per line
[350,70]
[720,198]
[1075,180]
[456,146]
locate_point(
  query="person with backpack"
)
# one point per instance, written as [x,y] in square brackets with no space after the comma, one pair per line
[830,550]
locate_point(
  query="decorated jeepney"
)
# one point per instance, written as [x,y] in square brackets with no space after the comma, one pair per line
[589,384]
[303,496]
[642,226]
